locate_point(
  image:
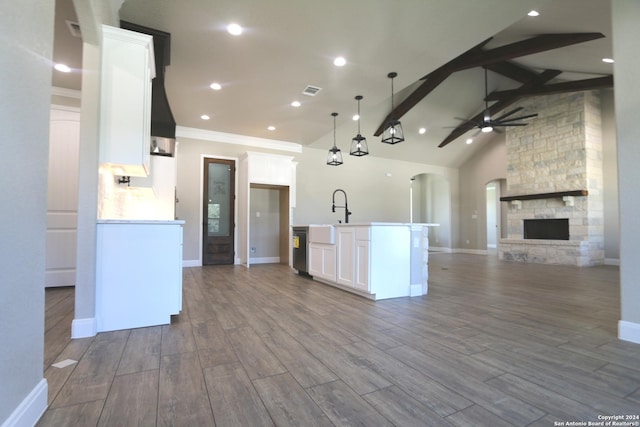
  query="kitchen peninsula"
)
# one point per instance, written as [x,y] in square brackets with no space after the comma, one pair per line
[377,260]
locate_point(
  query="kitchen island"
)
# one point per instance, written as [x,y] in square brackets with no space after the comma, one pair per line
[138,273]
[377,260]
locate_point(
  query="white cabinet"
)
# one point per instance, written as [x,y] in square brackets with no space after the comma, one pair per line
[353,254]
[363,267]
[125,101]
[138,273]
[322,261]
[346,249]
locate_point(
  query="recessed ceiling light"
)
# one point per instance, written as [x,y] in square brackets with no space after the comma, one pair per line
[356,117]
[62,68]
[271,128]
[608,60]
[234,29]
[295,104]
[215,86]
[422,131]
[205,117]
[533,13]
[339,61]
[469,141]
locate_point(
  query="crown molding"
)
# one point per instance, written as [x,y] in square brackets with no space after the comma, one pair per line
[231,138]
[67,93]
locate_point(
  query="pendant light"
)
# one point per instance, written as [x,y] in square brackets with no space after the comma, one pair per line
[334,158]
[359,145]
[393,129]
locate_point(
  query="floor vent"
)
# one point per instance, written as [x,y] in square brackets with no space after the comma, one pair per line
[311,90]
[74,29]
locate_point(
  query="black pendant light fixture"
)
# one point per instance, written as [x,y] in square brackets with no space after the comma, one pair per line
[334,158]
[359,145]
[393,129]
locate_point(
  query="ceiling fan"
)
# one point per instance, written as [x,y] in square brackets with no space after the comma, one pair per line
[487,124]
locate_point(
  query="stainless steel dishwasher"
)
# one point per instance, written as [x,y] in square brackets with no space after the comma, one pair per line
[300,249]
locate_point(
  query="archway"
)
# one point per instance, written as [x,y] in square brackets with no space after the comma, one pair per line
[431,203]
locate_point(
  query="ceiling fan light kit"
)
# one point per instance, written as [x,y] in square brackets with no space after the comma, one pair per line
[334,158]
[487,124]
[393,132]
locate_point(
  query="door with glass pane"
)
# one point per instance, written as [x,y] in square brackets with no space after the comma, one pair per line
[218,215]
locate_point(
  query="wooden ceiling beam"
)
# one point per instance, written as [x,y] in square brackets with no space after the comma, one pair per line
[537,81]
[478,57]
[572,86]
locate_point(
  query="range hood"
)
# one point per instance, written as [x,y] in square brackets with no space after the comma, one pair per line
[163,125]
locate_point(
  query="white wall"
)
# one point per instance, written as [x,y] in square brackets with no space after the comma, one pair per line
[26,91]
[626,14]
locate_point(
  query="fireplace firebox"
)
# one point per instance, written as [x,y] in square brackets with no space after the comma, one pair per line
[549,229]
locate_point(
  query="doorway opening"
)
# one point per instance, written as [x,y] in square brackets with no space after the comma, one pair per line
[430,202]
[218,212]
[495,217]
[268,224]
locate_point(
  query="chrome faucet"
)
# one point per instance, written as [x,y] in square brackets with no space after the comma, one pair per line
[345,207]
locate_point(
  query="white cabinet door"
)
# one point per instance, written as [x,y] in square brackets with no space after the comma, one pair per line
[322,261]
[125,101]
[362,265]
[345,242]
[62,198]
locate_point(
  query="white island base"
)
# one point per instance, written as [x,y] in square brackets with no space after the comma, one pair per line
[376,260]
[138,273]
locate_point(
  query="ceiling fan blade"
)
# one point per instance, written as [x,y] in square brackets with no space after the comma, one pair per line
[511,124]
[504,116]
[528,116]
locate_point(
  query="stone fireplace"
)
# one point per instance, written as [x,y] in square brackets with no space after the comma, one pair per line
[554,171]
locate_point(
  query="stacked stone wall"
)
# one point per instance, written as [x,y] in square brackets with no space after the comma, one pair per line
[560,150]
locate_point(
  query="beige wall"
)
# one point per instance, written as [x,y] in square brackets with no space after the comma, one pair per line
[377,189]
[490,163]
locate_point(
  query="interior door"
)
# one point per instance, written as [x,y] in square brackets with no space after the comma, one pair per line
[218,212]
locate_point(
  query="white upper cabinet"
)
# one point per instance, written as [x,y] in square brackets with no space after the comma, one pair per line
[125,109]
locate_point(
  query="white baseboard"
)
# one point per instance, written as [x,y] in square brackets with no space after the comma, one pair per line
[83,328]
[612,261]
[31,408]
[629,331]
[265,260]
[439,249]
[191,263]
[471,251]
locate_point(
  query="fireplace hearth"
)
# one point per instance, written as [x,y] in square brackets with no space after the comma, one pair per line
[547,229]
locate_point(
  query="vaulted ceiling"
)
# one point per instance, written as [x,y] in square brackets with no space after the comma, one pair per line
[289,44]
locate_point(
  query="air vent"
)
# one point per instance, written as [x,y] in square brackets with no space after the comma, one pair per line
[74,29]
[311,90]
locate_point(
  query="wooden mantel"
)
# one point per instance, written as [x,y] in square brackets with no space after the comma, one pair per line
[558,194]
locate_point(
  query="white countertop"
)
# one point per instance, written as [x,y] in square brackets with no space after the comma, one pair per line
[141,221]
[368,224]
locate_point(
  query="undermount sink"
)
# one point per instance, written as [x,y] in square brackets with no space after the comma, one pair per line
[321,233]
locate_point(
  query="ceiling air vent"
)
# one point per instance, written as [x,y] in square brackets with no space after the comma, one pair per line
[311,90]
[74,29]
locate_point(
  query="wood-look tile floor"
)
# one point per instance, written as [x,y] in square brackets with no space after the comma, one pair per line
[493,344]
